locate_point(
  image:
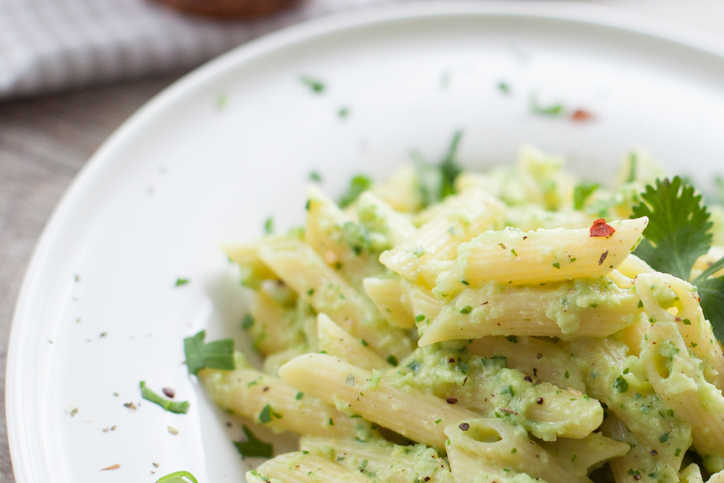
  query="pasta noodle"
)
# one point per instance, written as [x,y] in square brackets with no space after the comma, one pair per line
[503,334]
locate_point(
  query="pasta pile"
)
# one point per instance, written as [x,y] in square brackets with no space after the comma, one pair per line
[501,335]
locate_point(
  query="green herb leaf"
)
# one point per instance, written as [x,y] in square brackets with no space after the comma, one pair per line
[552,110]
[713,268]
[678,230]
[267,414]
[253,447]
[182,281]
[178,407]
[178,477]
[315,176]
[357,185]
[269,225]
[316,85]
[504,87]
[711,291]
[218,354]
[582,192]
[437,182]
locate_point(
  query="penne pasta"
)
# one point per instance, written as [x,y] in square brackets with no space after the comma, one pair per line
[581,308]
[515,257]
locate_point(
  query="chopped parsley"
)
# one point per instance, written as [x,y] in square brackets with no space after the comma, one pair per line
[253,447]
[267,414]
[248,322]
[343,112]
[218,354]
[620,384]
[315,85]
[436,182]
[392,360]
[182,281]
[315,176]
[357,185]
[504,87]
[178,407]
[178,477]
[679,232]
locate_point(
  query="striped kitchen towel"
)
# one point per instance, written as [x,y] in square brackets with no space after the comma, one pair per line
[53,45]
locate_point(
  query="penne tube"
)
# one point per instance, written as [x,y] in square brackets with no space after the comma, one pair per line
[580,456]
[515,257]
[302,269]
[269,401]
[499,446]
[338,343]
[389,462]
[539,359]
[298,467]
[380,217]
[580,308]
[407,410]
[461,217]
[392,300]
[340,241]
[660,293]
[253,270]
[678,379]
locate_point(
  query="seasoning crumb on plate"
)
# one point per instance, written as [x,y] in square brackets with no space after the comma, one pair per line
[172,430]
[112,467]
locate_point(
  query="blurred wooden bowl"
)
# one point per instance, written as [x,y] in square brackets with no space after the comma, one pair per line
[231,9]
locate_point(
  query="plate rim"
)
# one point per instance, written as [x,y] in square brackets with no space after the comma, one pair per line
[26,466]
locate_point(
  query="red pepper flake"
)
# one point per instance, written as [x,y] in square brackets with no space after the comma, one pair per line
[169,392]
[601,229]
[582,115]
[451,400]
[112,467]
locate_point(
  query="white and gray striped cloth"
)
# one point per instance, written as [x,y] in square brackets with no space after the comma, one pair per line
[53,45]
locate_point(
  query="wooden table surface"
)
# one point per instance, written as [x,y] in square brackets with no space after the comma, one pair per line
[44,142]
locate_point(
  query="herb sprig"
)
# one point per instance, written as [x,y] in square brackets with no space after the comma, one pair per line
[437,182]
[678,233]
[218,354]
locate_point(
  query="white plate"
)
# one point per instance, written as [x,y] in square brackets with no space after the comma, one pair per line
[183,174]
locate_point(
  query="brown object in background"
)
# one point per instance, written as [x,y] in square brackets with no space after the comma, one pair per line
[246,9]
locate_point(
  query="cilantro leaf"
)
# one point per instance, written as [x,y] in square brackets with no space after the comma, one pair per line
[357,185]
[438,182]
[711,292]
[178,477]
[218,354]
[253,446]
[678,230]
[581,193]
[178,407]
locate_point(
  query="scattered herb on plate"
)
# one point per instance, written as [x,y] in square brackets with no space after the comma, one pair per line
[178,477]
[182,281]
[315,85]
[178,407]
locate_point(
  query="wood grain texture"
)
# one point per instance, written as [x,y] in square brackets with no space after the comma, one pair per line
[43,144]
